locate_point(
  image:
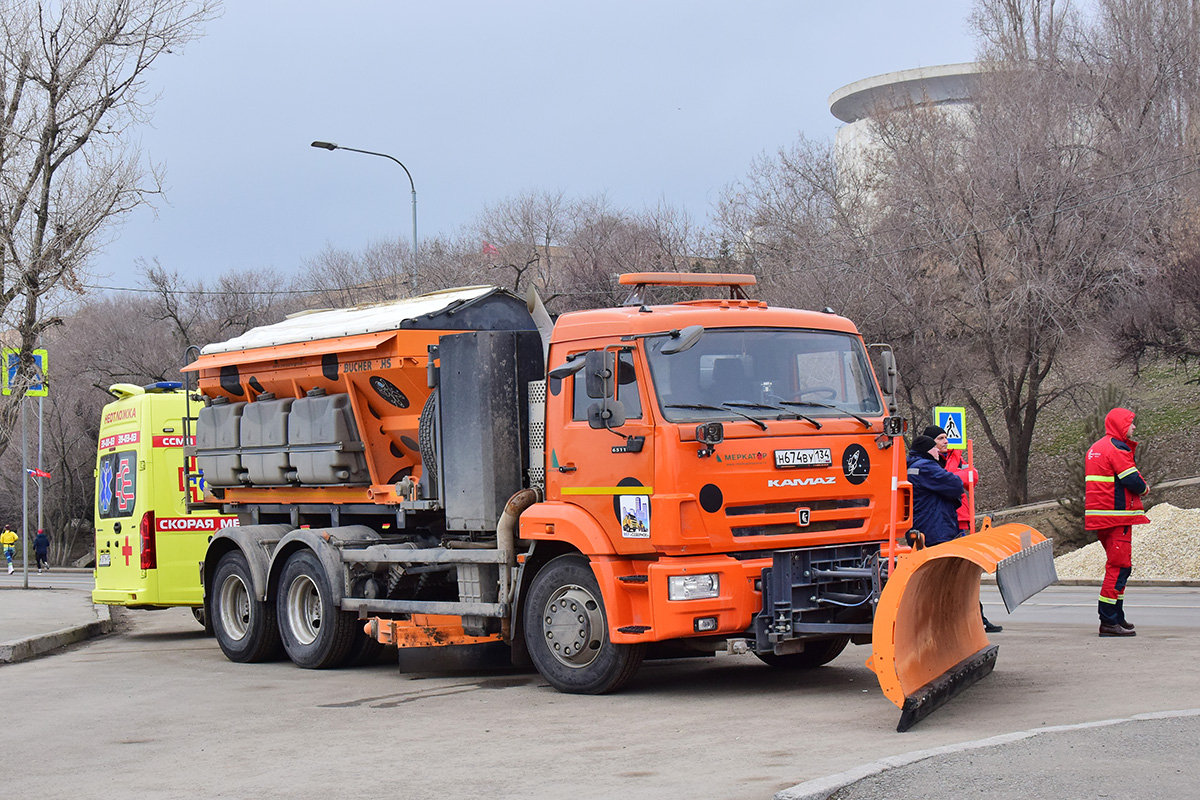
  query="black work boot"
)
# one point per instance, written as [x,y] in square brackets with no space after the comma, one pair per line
[1114,629]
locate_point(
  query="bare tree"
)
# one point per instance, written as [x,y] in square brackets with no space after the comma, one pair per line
[1003,233]
[198,313]
[523,236]
[72,87]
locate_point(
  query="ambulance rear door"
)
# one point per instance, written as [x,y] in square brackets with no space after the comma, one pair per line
[120,502]
[180,538]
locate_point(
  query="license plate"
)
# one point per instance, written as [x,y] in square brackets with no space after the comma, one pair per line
[812,457]
[105,560]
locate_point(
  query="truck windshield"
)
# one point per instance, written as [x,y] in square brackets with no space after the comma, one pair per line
[732,372]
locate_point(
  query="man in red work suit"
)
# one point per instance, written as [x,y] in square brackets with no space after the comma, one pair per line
[1112,506]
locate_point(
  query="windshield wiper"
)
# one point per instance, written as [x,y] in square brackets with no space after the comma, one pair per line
[702,407]
[810,404]
[774,408]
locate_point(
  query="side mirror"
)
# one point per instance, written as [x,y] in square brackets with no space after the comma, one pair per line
[889,376]
[567,369]
[683,339]
[600,369]
[889,372]
[606,414]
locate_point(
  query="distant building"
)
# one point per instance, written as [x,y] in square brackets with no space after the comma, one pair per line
[947,86]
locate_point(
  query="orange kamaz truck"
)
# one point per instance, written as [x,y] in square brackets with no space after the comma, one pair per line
[702,476]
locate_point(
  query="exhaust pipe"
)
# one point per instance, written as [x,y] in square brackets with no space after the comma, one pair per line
[506,542]
[541,318]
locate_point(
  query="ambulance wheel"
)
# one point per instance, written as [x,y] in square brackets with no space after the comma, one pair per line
[316,634]
[566,631]
[244,627]
[815,654]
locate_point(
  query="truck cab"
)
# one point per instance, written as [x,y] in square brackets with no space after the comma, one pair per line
[687,445]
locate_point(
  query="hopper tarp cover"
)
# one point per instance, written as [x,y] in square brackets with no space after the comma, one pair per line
[422,311]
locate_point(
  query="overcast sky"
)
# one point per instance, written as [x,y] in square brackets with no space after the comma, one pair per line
[641,100]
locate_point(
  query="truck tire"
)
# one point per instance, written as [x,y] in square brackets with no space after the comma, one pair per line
[815,654]
[243,626]
[315,633]
[566,631]
[364,651]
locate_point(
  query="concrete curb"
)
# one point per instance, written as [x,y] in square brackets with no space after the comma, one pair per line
[822,788]
[34,646]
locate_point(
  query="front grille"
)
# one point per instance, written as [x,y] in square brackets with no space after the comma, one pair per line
[788,529]
[790,506]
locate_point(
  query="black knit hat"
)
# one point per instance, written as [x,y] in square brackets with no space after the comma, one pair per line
[933,431]
[923,444]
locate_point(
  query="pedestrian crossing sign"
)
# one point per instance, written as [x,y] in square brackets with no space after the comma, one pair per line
[950,419]
[11,360]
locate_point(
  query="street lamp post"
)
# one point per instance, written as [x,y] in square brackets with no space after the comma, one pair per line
[332,146]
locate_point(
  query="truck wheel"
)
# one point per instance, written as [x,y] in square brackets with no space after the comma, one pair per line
[316,635]
[566,631]
[364,651]
[244,627]
[815,654]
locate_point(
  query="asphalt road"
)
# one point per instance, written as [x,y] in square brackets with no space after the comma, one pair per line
[55,579]
[157,711]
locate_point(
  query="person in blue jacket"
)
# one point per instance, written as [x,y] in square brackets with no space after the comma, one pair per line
[936,493]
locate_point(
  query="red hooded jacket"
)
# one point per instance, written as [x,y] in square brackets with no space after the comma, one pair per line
[1114,486]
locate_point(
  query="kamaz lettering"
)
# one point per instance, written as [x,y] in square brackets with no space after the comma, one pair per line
[802,482]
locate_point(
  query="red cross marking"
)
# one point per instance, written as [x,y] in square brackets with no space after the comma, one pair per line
[127,551]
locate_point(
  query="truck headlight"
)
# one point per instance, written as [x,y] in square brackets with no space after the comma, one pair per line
[693,587]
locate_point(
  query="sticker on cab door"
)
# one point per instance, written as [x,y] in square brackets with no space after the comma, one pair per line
[635,516]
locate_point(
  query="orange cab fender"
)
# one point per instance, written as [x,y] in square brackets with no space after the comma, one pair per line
[324,543]
[249,540]
[556,521]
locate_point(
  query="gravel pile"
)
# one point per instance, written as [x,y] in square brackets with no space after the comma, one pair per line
[1168,548]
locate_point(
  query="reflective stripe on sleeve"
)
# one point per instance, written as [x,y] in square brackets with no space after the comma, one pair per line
[1126,473]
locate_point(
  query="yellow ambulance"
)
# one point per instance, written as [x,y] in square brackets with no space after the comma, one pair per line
[149,548]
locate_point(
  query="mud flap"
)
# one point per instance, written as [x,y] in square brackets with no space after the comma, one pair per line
[928,637]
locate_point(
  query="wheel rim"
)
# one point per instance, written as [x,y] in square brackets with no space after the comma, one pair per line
[235,607]
[304,609]
[573,626]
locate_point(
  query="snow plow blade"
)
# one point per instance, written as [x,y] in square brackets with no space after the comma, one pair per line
[928,637]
